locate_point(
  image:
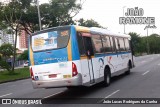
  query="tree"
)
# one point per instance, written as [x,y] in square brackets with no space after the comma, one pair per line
[54,13]
[142,45]
[11,15]
[62,11]
[88,23]
[6,51]
[135,41]
[154,43]
[146,44]
[22,15]
[24,55]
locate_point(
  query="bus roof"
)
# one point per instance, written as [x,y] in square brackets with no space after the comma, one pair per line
[101,31]
[82,29]
[93,30]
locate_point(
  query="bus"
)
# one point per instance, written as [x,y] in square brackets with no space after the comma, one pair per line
[69,56]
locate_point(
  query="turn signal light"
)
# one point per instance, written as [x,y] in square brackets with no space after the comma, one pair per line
[74,70]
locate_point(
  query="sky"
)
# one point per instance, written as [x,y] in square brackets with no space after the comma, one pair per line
[107,13]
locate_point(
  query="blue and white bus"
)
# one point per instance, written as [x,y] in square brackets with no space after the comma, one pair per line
[77,56]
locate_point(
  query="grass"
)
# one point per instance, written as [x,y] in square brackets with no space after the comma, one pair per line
[18,74]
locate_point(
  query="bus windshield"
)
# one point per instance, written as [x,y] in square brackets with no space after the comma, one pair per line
[53,39]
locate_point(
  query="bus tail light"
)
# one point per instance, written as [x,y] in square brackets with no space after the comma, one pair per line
[74,70]
[31,72]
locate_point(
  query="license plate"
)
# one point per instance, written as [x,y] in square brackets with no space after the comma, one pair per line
[52,75]
[66,76]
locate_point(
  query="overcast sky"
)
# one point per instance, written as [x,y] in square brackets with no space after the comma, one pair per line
[107,13]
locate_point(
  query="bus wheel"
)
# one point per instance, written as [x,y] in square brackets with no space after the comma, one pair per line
[129,68]
[75,87]
[107,77]
[71,87]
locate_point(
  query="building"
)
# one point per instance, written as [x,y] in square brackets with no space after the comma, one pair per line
[6,38]
[23,40]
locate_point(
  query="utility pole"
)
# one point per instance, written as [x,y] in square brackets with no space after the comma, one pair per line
[39,15]
[147,43]
[123,16]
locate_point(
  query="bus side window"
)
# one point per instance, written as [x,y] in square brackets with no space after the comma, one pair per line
[80,44]
[106,44]
[130,45]
[97,42]
[117,44]
[88,46]
[127,44]
[113,44]
[121,45]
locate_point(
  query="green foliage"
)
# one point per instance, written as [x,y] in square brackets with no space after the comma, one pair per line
[135,41]
[4,65]
[24,55]
[154,43]
[10,13]
[18,74]
[6,50]
[88,23]
[61,12]
[145,44]
[24,13]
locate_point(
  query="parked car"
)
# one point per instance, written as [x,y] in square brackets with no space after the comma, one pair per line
[26,64]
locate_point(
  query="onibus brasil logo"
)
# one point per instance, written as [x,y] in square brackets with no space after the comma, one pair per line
[135,16]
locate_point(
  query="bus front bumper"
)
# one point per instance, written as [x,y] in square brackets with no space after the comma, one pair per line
[74,81]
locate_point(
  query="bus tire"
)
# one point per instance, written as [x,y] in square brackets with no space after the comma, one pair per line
[75,87]
[71,87]
[129,68]
[107,77]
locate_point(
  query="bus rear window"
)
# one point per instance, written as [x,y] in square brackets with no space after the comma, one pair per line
[50,40]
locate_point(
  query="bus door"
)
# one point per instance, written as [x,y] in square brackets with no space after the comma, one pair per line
[89,53]
[86,53]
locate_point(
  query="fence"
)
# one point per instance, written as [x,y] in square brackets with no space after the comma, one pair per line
[19,63]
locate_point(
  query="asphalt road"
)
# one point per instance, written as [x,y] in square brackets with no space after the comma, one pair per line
[143,82]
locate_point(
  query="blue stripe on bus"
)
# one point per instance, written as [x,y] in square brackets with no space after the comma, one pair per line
[74,44]
[111,54]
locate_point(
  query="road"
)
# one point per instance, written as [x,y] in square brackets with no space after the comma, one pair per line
[143,82]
